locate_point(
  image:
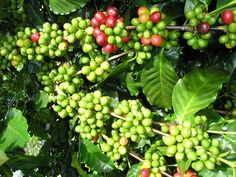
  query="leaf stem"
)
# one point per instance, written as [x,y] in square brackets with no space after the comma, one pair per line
[46,5]
[221,132]
[117,116]
[135,156]
[223,7]
[184,28]
[160,133]
[118,55]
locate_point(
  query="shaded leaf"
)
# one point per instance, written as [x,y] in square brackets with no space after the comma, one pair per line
[3,157]
[132,85]
[95,159]
[63,7]
[41,100]
[158,79]
[24,162]
[15,134]
[196,90]
[134,170]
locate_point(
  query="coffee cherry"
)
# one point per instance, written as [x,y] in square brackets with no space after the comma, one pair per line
[155,17]
[143,10]
[112,11]
[145,41]
[120,19]
[110,21]
[100,17]
[156,40]
[227,16]
[97,31]
[203,28]
[35,37]
[95,23]
[108,48]
[178,175]
[101,39]
[144,172]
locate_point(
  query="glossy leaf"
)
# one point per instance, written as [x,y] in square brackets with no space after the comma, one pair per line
[16,133]
[134,170]
[95,159]
[158,79]
[184,165]
[65,7]
[196,90]
[3,157]
[217,172]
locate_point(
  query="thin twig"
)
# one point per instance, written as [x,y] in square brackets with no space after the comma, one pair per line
[166,174]
[117,116]
[118,56]
[135,156]
[184,28]
[221,132]
[159,132]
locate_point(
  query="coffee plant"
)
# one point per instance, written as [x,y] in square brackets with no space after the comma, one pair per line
[118,88]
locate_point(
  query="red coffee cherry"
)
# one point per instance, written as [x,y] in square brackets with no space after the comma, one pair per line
[227,16]
[155,17]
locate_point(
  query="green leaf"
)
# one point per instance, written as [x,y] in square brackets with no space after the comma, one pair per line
[134,170]
[221,3]
[172,11]
[158,79]
[95,159]
[24,162]
[41,100]
[3,157]
[132,85]
[189,5]
[75,164]
[63,7]
[196,90]
[217,172]
[15,134]
[184,165]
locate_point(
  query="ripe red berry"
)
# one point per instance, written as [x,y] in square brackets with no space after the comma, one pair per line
[110,21]
[126,39]
[114,49]
[108,48]
[145,41]
[190,173]
[35,37]
[144,172]
[203,28]
[100,17]
[95,23]
[227,16]
[178,175]
[120,19]
[97,31]
[112,11]
[101,39]
[156,40]
[155,17]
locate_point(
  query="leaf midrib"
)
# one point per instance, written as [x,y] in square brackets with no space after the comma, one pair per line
[187,107]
